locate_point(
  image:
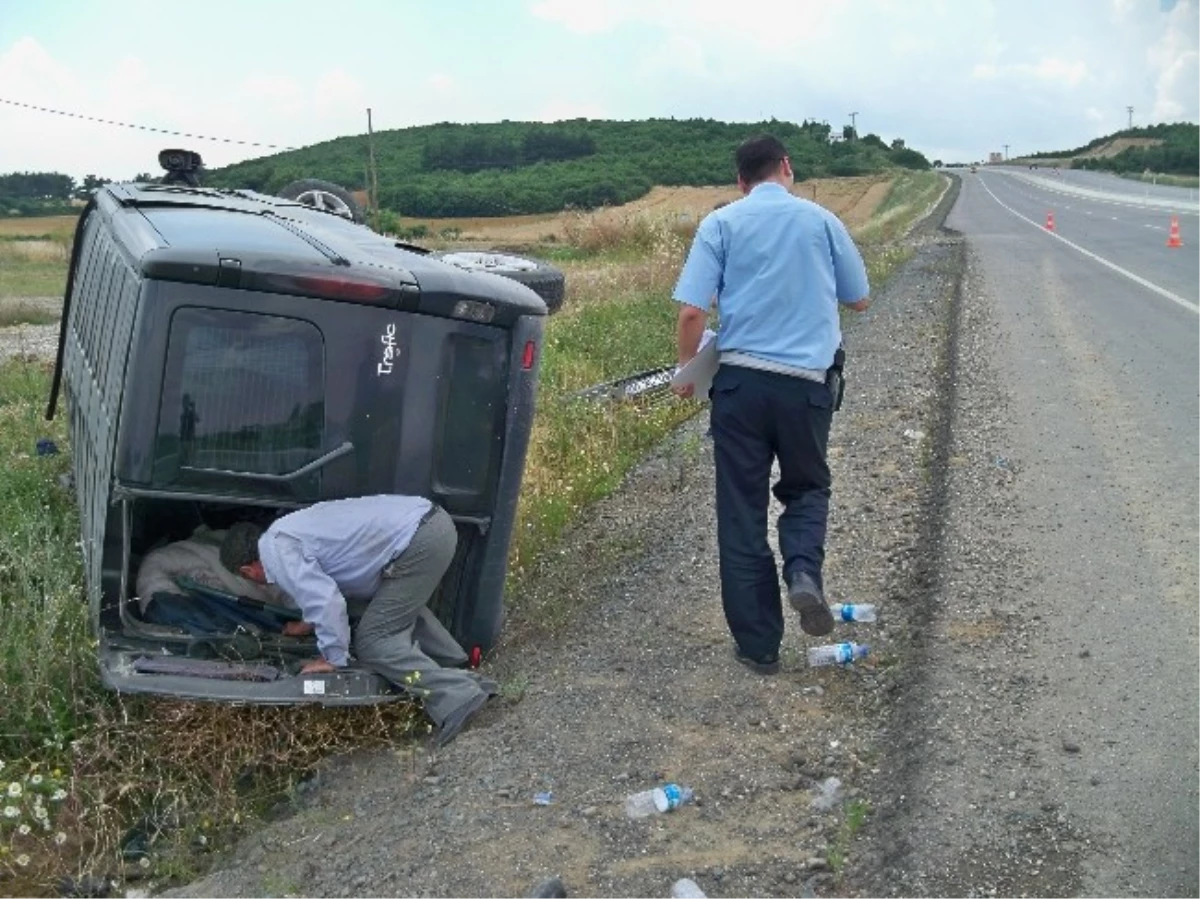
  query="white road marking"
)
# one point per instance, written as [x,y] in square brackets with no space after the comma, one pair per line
[1137,279]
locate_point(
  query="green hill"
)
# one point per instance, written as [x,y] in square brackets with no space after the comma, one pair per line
[513,168]
[1169,149]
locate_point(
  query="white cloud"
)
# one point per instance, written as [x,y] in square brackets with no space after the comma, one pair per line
[1057,71]
[1174,60]
[1050,69]
[775,24]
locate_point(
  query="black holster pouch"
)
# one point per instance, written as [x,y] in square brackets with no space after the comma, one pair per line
[835,380]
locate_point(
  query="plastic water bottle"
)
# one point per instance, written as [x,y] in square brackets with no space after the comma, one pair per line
[654,802]
[858,611]
[686,888]
[837,654]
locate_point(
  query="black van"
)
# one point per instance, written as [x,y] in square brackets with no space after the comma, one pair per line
[228,355]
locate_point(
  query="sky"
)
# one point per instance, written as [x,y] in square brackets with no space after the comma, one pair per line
[956,79]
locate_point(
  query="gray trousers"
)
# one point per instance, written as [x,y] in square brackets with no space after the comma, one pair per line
[402,641]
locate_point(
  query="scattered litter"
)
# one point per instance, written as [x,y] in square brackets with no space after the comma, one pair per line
[837,654]
[47,447]
[550,888]
[828,794]
[543,798]
[662,799]
[686,888]
[911,434]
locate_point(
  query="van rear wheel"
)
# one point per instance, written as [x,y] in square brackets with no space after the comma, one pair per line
[543,279]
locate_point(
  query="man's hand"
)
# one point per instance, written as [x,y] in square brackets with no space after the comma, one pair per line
[684,391]
[860,305]
[297,629]
[318,666]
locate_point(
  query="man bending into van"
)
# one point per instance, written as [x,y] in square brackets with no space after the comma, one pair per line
[392,550]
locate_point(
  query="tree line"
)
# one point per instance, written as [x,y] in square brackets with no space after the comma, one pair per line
[514,168]
[1177,154]
[46,193]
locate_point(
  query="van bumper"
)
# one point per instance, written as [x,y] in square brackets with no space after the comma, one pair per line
[344,688]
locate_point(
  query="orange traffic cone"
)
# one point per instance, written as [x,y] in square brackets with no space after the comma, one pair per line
[1173,239]
[1049,221]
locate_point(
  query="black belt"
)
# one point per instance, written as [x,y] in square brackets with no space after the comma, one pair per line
[433,510]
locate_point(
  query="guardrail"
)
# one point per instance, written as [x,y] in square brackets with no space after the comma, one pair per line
[1063,187]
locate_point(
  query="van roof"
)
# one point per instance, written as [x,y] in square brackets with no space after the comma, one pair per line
[247,240]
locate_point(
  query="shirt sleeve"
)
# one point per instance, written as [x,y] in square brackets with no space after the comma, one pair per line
[318,598]
[700,279]
[848,268]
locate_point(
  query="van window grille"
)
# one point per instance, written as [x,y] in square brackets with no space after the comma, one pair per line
[242,392]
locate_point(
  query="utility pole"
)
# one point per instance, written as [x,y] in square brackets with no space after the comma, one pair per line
[1129,109]
[374,185]
[853,127]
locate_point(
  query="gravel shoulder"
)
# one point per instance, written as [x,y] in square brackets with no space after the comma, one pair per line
[641,686]
[40,341]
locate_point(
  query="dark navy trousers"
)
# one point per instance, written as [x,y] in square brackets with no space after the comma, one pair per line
[757,417]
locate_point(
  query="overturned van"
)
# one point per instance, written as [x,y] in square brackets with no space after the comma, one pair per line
[229,356]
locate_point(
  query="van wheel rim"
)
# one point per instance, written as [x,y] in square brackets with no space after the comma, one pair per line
[487,262]
[320,199]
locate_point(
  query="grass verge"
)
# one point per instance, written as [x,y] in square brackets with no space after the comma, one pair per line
[912,196]
[33,257]
[1171,180]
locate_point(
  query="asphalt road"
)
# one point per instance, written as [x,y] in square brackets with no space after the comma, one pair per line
[1058,724]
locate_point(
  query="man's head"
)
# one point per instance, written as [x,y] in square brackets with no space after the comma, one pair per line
[239,551]
[762,158]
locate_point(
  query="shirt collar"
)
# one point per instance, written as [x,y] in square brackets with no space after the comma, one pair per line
[768,186]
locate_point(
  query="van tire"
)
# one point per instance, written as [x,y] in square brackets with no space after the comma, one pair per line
[542,278]
[324,195]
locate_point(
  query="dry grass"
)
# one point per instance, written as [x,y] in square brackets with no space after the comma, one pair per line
[851,199]
[34,253]
[48,226]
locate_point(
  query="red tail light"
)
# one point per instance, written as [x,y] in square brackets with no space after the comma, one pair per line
[330,288]
[530,355]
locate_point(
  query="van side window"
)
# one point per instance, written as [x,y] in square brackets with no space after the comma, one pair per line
[470,402]
[241,392]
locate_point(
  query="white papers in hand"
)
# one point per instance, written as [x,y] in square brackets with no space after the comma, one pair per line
[700,369]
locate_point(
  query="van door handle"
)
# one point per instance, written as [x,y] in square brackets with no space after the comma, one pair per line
[320,462]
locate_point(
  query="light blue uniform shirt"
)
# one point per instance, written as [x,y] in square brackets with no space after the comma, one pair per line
[778,266]
[321,555]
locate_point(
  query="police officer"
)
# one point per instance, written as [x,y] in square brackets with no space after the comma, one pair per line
[779,267]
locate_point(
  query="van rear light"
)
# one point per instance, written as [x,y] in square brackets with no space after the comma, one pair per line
[475,311]
[340,288]
[529,356]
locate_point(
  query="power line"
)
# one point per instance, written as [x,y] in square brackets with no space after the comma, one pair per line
[88,118]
